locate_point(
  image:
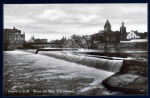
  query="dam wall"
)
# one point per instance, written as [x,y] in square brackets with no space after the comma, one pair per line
[108,64]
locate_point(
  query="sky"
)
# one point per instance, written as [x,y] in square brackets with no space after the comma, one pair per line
[53,21]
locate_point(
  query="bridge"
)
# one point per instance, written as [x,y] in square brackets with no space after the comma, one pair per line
[43,45]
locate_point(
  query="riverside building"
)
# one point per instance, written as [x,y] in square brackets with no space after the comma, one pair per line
[12,38]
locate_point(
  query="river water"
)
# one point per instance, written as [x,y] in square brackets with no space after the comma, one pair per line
[23,71]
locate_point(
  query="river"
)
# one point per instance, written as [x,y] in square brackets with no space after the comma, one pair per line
[24,71]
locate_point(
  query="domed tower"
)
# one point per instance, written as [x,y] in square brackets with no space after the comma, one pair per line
[107,26]
[123,32]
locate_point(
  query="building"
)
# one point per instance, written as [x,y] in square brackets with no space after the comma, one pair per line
[109,35]
[133,35]
[106,38]
[143,35]
[123,32]
[37,40]
[44,40]
[107,27]
[12,38]
[111,39]
[88,39]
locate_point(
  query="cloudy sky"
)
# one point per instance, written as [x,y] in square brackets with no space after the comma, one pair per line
[53,21]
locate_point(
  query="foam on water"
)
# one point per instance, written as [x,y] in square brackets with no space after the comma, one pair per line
[100,63]
[38,68]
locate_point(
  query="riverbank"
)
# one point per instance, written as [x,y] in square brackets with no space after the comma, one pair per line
[132,78]
[127,83]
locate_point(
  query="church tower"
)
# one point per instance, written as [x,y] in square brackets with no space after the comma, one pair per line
[123,32]
[107,26]
[107,32]
[111,38]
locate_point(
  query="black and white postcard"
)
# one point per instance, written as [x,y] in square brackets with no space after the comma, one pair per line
[75,49]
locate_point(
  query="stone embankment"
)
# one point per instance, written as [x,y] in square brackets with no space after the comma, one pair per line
[132,78]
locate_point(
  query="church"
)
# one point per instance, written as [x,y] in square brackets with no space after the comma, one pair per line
[109,35]
[123,32]
[111,38]
[108,38]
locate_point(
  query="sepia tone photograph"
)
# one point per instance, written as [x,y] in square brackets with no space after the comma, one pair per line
[98,49]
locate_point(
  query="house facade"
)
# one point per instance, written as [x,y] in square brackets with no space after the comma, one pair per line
[12,38]
[132,35]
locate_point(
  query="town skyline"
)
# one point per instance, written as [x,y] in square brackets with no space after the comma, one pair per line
[54,21]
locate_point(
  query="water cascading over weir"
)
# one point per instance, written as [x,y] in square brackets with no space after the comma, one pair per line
[100,62]
[103,63]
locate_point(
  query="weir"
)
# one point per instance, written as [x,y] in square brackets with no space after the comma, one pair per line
[104,63]
[53,49]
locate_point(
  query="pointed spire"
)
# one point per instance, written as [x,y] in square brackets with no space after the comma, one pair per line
[122,23]
[14,28]
[107,24]
[33,36]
